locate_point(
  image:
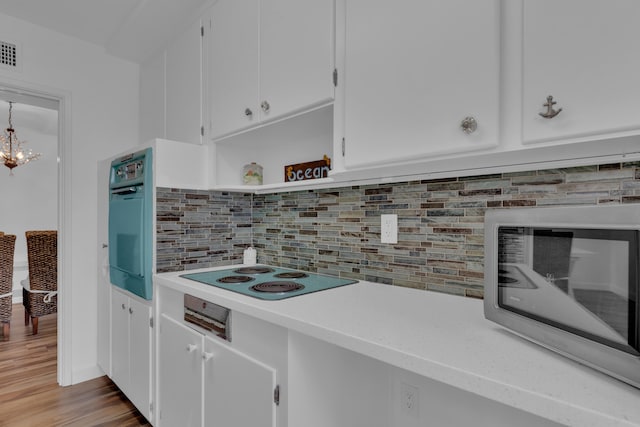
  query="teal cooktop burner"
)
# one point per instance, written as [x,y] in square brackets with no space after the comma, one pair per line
[268,283]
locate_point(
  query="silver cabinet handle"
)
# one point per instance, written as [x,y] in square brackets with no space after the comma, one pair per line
[206,356]
[265,106]
[104,245]
[550,113]
[191,348]
[248,112]
[469,125]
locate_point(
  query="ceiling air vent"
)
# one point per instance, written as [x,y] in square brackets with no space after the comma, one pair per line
[8,55]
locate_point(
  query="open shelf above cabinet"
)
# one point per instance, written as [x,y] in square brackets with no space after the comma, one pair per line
[219,165]
[303,138]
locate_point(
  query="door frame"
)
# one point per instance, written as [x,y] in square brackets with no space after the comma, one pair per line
[65,303]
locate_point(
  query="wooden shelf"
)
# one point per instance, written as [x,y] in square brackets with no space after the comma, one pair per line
[279,187]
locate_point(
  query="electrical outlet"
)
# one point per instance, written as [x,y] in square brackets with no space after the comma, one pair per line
[389,228]
[409,399]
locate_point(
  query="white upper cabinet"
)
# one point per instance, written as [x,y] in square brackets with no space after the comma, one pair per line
[152,98]
[413,71]
[268,59]
[183,67]
[171,89]
[233,66]
[583,53]
[296,55]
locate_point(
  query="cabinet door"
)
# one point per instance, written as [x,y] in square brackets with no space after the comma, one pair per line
[184,86]
[414,69]
[296,55]
[152,98]
[140,356]
[179,375]
[238,390]
[584,53]
[120,339]
[234,68]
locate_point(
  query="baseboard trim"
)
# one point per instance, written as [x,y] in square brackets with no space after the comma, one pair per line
[86,374]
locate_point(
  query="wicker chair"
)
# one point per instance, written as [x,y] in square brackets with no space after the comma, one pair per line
[40,288]
[7,248]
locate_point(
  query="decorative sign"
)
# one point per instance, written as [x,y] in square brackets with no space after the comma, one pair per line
[308,170]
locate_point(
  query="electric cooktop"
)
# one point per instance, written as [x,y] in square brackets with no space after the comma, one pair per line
[268,283]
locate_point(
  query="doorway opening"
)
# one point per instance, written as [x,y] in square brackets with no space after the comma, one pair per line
[34,194]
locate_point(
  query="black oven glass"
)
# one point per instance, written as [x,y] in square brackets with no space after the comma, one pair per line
[581,280]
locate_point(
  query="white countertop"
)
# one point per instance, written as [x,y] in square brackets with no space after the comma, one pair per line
[445,338]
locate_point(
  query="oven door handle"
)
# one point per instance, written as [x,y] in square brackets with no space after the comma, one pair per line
[125,191]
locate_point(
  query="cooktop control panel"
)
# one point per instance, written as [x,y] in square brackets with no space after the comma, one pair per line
[211,317]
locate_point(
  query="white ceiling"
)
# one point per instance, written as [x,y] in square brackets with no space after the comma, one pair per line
[129,29]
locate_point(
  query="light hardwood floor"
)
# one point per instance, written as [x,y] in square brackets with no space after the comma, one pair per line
[30,395]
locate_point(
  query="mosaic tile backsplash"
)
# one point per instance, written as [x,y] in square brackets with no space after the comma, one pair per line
[337,231]
[198,229]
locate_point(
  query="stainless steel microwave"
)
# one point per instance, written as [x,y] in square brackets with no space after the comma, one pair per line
[568,278]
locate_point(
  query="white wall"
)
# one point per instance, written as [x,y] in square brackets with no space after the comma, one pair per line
[103,94]
[601,265]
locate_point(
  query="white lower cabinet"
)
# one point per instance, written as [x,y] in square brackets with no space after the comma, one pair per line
[131,344]
[203,381]
[238,390]
[179,375]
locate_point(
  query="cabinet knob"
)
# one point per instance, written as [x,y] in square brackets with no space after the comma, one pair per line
[550,113]
[468,125]
[248,112]
[265,106]
[130,310]
[191,348]
[123,307]
[206,356]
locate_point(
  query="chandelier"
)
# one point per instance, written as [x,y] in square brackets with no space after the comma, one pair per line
[12,152]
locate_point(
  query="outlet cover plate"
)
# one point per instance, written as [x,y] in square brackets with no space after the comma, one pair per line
[389,228]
